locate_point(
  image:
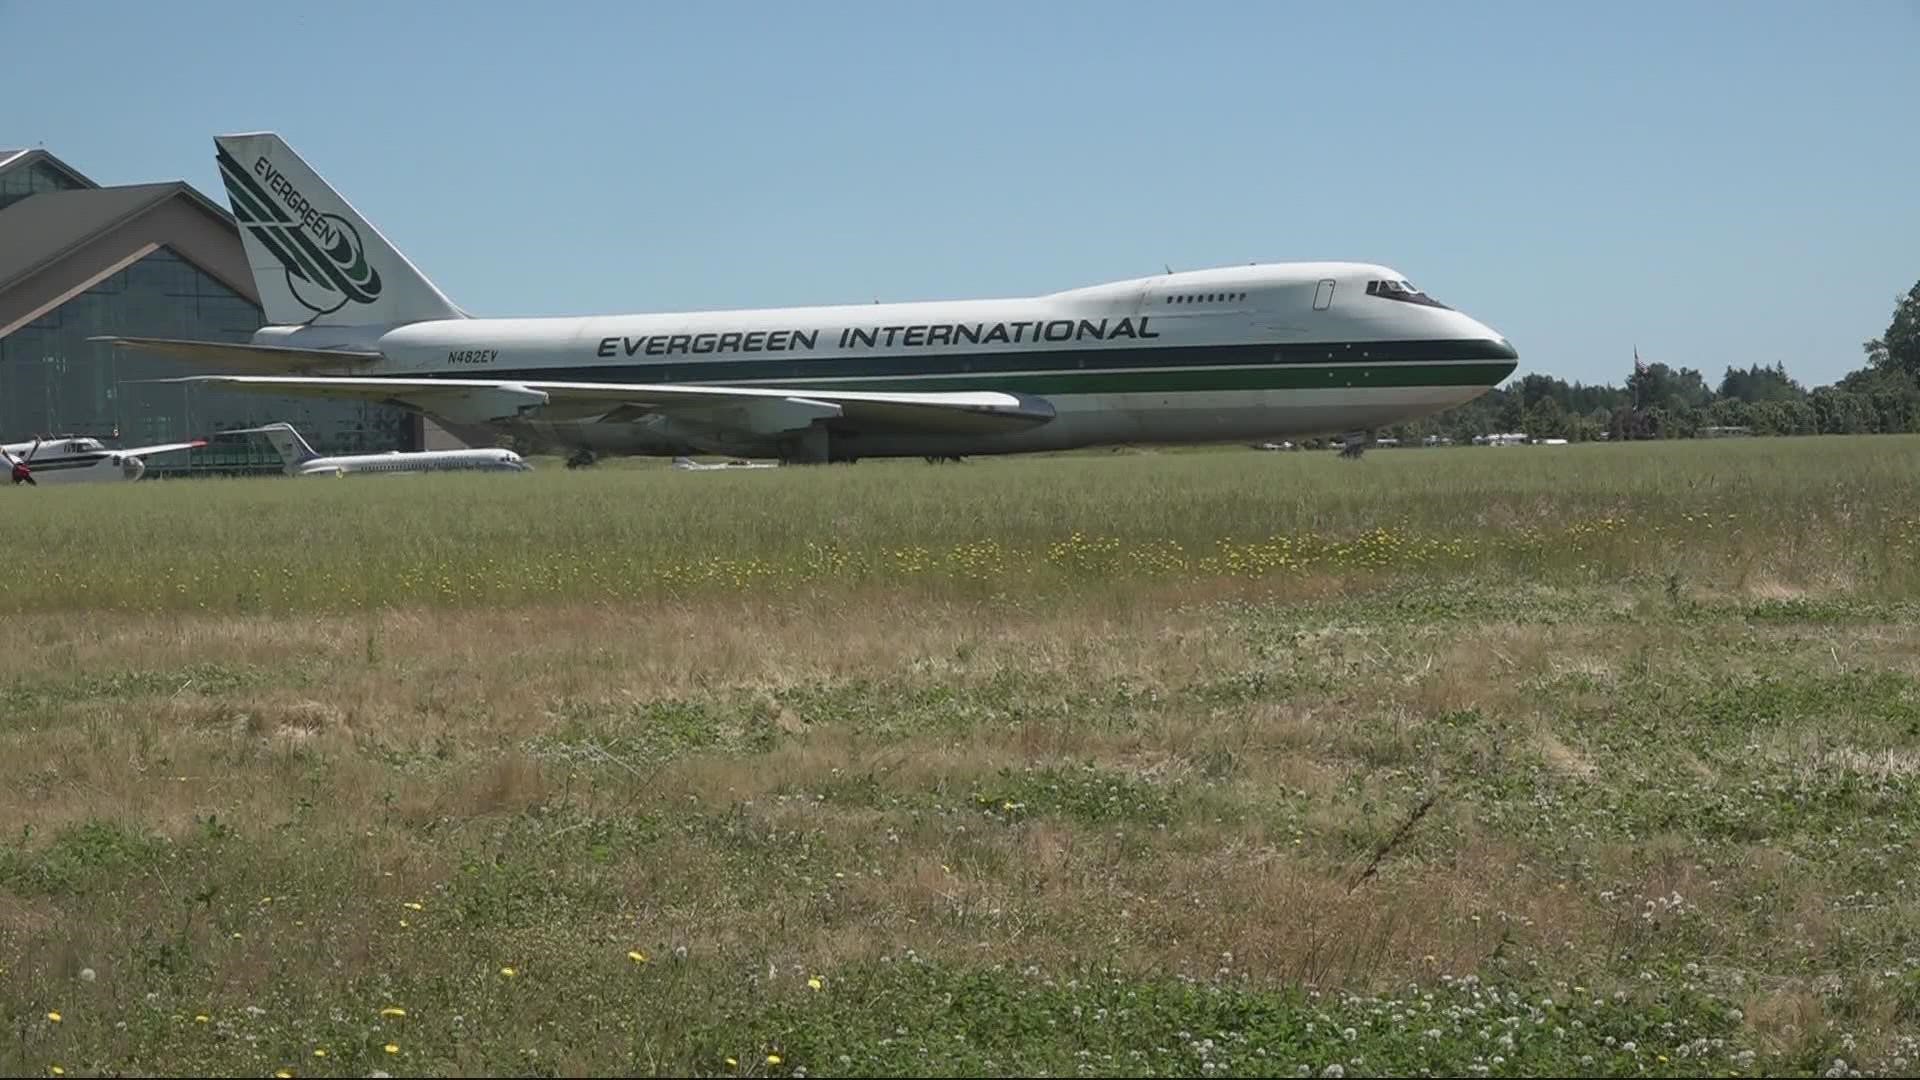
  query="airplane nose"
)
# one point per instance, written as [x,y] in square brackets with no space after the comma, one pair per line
[1495,342]
[1488,345]
[133,468]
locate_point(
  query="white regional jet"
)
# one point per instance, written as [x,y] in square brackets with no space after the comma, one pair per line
[1235,353]
[301,460]
[71,459]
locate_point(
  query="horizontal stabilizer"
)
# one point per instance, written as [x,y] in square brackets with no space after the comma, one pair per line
[162,448]
[278,359]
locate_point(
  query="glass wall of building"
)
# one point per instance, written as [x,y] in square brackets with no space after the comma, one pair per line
[53,381]
[19,182]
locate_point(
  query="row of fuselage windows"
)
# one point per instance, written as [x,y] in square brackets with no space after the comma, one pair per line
[425,466]
[1206,298]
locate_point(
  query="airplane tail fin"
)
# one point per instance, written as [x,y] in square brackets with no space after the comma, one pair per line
[293,449]
[315,260]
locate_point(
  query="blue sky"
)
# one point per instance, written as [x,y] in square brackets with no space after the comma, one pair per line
[1718,182]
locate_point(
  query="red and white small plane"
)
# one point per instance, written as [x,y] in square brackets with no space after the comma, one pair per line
[70,459]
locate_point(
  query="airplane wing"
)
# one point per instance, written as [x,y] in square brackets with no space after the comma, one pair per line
[759,410]
[276,358]
[143,451]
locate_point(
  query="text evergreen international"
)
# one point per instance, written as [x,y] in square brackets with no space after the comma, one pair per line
[881,337]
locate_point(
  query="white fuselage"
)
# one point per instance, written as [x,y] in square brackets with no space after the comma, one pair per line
[1262,351]
[418,461]
[83,460]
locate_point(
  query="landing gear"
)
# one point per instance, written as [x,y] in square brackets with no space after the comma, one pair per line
[809,447]
[1354,443]
[582,458]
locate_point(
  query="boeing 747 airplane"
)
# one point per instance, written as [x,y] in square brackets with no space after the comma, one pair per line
[1279,350]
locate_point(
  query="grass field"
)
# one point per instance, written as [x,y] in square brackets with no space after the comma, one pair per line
[1472,761]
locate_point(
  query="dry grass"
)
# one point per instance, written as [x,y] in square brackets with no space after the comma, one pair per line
[1247,871]
[1279,802]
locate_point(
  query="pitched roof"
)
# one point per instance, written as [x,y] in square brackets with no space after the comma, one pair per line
[39,229]
[13,158]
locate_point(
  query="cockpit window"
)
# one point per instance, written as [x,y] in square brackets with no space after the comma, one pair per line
[1403,291]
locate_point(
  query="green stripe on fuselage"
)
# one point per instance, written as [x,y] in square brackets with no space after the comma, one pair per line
[1442,360]
[1293,377]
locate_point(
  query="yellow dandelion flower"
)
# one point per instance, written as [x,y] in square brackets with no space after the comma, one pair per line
[507,972]
[637,956]
[284,1074]
[731,1062]
[56,1070]
[412,905]
[391,1048]
[814,983]
[403,924]
[201,1018]
[320,1051]
[773,1059]
[392,1010]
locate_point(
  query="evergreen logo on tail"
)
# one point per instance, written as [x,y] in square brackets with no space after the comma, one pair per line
[322,253]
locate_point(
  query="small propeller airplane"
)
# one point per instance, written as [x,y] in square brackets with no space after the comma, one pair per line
[70,459]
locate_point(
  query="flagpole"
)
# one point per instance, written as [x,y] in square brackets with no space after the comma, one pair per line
[1638,370]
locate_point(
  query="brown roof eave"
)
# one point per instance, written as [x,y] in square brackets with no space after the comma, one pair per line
[20,159]
[53,280]
[79,241]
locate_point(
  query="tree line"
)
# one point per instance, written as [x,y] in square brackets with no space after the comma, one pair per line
[1663,402]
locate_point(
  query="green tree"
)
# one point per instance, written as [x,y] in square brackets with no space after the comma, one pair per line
[1758,383]
[1545,419]
[1658,386]
[1793,417]
[1729,412]
[1891,394]
[1899,349]
[1839,411]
